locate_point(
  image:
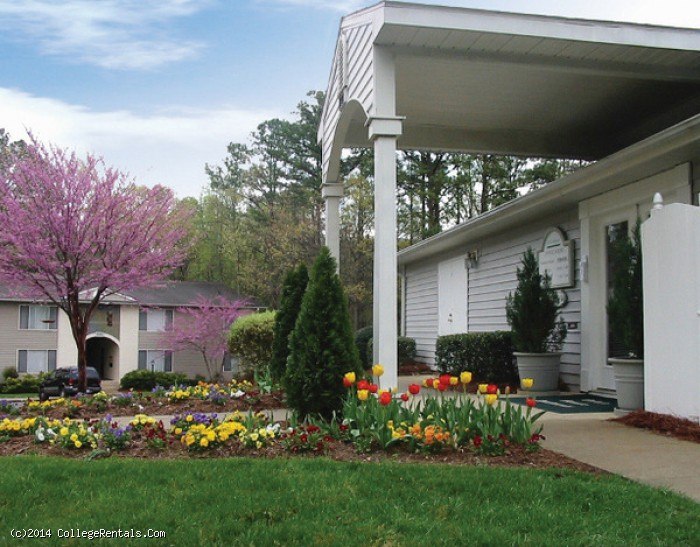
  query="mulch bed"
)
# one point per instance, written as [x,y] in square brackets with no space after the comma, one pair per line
[663,424]
[515,456]
[160,406]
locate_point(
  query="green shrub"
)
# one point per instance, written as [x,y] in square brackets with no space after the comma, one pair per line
[251,339]
[322,347]
[146,380]
[406,348]
[532,311]
[9,372]
[362,338]
[27,383]
[488,355]
[290,305]
[626,303]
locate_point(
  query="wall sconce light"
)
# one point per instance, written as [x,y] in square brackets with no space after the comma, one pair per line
[472,258]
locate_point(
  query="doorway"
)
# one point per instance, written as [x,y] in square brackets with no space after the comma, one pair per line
[103,355]
[452,296]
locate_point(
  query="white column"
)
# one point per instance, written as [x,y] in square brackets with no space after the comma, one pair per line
[383,132]
[332,193]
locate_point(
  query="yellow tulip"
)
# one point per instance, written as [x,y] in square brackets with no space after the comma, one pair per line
[483,388]
[491,399]
[377,370]
[436,383]
[454,380]
[363,394]
[527,383]
[465,377]
[350,377]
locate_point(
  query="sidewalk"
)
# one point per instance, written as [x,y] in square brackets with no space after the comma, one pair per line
[637,454]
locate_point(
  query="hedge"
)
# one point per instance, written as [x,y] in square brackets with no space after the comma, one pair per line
[251,339]
[26,383]
[488,355]
[406,349]
[146,380]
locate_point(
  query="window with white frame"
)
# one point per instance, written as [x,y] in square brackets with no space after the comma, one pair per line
[155,320]
[35,361]
[35,317]
[158,360]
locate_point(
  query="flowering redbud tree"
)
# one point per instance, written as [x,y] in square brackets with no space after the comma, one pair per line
[204,327]
[74,231]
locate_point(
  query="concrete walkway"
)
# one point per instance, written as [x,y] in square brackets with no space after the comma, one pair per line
[637,454]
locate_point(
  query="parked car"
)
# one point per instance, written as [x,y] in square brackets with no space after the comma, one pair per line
[63,382]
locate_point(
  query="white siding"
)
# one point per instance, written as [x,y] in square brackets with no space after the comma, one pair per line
[489,284]
[422,309]
[351,69]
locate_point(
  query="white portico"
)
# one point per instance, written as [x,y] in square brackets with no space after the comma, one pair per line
[410,76]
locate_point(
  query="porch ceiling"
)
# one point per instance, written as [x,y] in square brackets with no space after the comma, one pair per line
[503,83]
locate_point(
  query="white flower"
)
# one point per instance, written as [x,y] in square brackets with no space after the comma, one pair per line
[40,435]
[238,394]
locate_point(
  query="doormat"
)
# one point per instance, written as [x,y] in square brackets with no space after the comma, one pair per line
[572,404]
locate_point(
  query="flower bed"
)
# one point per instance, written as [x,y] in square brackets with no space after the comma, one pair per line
[203,397]
[375,424]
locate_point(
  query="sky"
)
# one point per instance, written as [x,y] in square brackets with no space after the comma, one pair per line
[160,87]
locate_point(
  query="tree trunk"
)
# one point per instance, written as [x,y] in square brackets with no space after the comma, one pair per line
[81,342]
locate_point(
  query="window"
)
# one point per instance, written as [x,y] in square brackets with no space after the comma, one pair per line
[156,360]
[154,320]
[35,361]
[614,234]
[230,363]
[33,317]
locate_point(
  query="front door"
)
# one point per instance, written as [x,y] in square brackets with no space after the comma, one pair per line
[607,230]
[452,296]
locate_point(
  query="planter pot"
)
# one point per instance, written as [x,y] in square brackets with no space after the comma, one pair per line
[629,383]
[543,368]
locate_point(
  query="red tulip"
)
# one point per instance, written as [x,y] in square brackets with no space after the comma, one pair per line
[373,388]
[362,384]
[414,389]
[385,398]
[492,389]
[477,441]
[346,382]
[404,397]
[442,387]
[531,402]
[445,379]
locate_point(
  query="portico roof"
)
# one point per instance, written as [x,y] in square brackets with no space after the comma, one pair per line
[481,81]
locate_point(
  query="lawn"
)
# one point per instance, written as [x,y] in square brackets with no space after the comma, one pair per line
[33,395]
[317,501]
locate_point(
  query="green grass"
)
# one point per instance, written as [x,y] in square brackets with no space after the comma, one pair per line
[18,396]
[306,501]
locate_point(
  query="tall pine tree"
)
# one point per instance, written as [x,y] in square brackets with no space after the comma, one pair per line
[290,304]
[321,346]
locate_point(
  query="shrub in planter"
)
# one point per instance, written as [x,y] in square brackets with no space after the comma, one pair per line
[290,304]
[251,339]
[406,348]
[322,348]
[532,313]
[362,338]
[146,380]
[487,355]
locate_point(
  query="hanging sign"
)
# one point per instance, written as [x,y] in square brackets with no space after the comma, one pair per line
[557,259]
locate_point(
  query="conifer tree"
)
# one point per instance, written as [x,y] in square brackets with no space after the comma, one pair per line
[321,346]
[290,304]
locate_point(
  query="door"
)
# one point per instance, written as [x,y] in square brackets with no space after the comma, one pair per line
[452,296]
[606,230]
